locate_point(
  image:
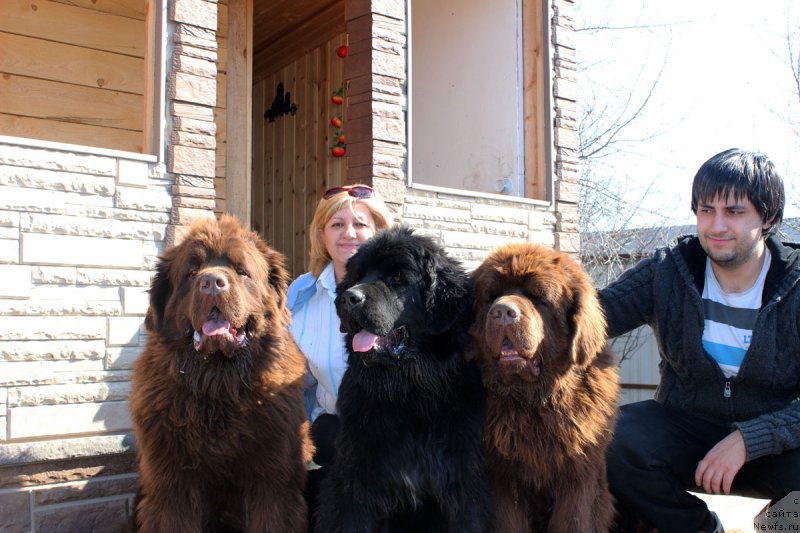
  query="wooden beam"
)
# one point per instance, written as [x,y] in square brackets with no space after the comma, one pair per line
[151,55]
[239,100]
[534,99]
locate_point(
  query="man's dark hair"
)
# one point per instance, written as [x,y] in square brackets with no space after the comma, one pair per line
[742,173]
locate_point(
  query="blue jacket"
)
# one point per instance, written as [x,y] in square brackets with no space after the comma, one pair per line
[300,291]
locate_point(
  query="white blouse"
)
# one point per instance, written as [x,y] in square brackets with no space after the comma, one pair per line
[315,327]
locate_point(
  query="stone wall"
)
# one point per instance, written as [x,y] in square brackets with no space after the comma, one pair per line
[469,227]
[565,126]
[191,121]
[80,231]
[79,236]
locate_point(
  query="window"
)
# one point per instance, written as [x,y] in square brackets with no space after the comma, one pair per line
[77,72]
[478,112]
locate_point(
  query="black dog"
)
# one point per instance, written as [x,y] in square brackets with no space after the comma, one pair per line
[409,453]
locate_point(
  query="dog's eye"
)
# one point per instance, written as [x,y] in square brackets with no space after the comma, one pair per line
[192,273]
[397,279]
[242,272]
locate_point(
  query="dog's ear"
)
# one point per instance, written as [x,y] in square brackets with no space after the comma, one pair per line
[482,279]
[587,324]
[160,290]
[449,293]
[278,278]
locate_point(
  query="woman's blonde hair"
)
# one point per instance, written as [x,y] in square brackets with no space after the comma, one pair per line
[326,208]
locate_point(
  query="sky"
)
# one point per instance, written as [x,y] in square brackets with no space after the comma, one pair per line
[723,80]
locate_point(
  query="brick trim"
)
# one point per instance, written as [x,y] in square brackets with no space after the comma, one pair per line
[191,94]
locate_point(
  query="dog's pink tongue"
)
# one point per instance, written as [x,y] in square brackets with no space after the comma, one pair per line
[216,325]
[364,341]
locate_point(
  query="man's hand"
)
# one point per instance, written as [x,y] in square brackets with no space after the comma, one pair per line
[716,471]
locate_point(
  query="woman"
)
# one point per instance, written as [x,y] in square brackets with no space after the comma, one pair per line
[345,217]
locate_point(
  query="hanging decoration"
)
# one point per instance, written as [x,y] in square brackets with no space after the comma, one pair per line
[281,105]
[339,147]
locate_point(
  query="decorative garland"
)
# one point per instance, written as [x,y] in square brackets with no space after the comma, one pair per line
[339,148]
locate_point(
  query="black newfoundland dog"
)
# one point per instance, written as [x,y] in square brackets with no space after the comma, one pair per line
[410,453]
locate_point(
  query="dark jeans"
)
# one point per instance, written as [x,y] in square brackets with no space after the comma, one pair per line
[653,458]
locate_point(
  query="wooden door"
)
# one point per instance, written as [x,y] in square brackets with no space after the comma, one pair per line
[292,154]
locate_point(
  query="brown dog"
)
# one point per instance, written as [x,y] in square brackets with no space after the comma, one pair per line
[217,401]
[552,390]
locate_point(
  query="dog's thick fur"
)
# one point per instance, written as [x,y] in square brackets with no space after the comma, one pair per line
[552,389]
[217,402]
[409,453]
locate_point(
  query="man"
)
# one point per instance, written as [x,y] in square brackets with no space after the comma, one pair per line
[725,308]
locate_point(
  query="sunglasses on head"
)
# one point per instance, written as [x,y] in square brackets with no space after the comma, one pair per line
[356,191]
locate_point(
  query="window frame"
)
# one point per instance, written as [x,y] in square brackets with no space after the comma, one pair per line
[154,99]
[534,158]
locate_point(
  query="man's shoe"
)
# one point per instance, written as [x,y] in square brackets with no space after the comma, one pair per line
[717,524]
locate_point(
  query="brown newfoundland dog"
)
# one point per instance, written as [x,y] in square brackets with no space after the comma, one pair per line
[552,390]
[217,402]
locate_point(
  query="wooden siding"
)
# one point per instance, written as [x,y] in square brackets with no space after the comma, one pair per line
[292,161]
[74,71]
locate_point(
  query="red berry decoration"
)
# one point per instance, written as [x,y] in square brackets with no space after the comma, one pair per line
[338,96]
[342,51]
[337,151]
[336,122]
[341,138]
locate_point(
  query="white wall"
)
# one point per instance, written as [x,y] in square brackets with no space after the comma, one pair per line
[464,93]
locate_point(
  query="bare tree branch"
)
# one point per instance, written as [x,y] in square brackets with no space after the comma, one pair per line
[607,116]
[637,27]
[599,141]
[794,61]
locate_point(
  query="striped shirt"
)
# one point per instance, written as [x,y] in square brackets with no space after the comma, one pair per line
[730,318]
[315,328]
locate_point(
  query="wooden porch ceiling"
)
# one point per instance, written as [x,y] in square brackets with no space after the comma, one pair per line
[275,18]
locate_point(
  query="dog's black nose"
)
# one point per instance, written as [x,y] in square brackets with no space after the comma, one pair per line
[213,284]
[353,297]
